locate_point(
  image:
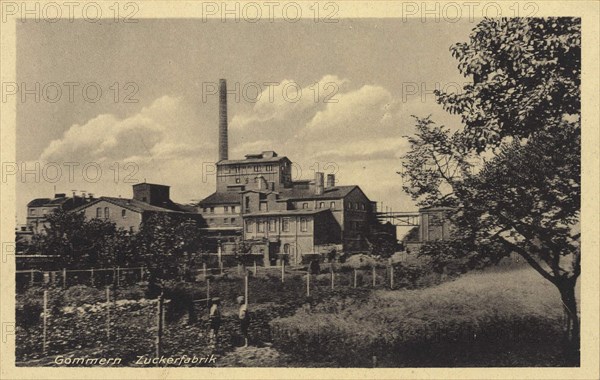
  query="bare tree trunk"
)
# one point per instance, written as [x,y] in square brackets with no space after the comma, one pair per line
[566,288]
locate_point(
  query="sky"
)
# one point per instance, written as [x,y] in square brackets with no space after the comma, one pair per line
[156,119]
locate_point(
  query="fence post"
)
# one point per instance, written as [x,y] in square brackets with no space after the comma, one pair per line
[92,277]
[282,271]
[204,271]
[246,289]
[332,277]
[391,277]
[355,277]
[142,273]
[374,274]
[107,312]
[207,292]
[254,267]
[220,266]
[45,341]
[308,284]
[64,278]
[118,277]
[32,277]
[239,269]
[159,323]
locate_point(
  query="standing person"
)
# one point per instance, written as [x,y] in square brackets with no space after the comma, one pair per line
[244,319]
[214,320]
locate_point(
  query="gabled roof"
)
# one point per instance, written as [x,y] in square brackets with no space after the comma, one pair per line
[130,204]
[336,192]
[38,202]
[223,197]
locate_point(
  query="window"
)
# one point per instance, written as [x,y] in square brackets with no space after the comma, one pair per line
[204,209]
[237,169]
[106,213]
[286,248]
[305,205]
[130,228]
[249,226]
[99,212]
[210,220]
[269,168]
[226,221]
[260,227]
[349,205]
[362,206]
[124,213]
[232,220]
[271,225]
[285,225]
[212,210]
[303,225]
[332,205]
[44,211]
[232,209]
[237,180]
[226,208]
[356,206]
[247,203]
[256,168]
[321,204]
[31,211]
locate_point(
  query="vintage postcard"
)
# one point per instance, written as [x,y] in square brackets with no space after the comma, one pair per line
[292,189]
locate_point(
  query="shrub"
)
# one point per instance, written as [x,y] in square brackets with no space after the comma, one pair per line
[80,294]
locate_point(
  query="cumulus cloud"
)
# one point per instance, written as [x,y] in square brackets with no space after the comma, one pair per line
[148,134]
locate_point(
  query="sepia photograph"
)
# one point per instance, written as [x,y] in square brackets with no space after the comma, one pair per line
[300,185]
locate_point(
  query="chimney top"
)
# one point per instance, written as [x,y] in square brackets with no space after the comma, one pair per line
[319,183]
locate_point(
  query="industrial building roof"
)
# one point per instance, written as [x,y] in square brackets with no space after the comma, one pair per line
[335,192]
[134,205]
[224,197]
[253,160]
[38,202]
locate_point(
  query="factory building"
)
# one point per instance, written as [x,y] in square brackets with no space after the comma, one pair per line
[256,201]
[130,213]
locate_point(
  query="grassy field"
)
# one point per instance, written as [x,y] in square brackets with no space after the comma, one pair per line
[499,317]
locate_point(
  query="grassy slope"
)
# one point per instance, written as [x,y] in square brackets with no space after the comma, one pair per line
[496,317]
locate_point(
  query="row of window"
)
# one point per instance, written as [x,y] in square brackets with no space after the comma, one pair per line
[320,205]
[356,206]
[272,226]
[226,209]
[107,213]
[242,169]
[225,220]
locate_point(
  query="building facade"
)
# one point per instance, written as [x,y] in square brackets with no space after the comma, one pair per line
[257,201]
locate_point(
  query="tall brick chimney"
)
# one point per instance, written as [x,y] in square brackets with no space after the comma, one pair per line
[330,180]
[319,185]
[223,148]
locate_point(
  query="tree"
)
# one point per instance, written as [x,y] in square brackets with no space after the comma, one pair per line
[512,172]
[80,242]
[165,242]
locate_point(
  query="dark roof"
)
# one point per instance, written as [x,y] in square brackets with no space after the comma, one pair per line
[336,192]
[38,202]
[252,160]
[131,204]
[287,212]
[150,184]
[223,197]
